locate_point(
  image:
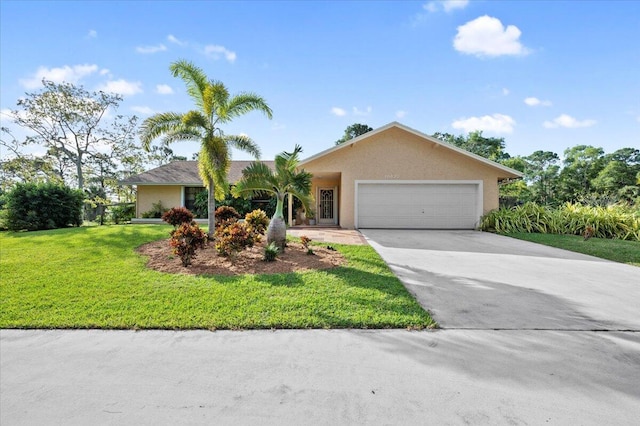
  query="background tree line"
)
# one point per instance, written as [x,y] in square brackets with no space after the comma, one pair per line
[585,174]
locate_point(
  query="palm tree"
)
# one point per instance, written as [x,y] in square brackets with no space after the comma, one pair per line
[286,180]
[214,106]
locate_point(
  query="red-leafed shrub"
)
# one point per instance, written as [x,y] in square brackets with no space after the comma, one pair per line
[177,216]
[226,213]
[233,237]
[185,240]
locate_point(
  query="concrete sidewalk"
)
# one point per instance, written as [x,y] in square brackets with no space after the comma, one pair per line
[328,377]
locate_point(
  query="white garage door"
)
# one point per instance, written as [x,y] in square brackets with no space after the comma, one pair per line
[418,205]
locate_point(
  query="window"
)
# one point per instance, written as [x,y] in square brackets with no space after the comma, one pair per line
[190,193]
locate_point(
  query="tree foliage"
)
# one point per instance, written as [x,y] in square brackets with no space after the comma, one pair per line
[73,124]
[490,148]
[353,131]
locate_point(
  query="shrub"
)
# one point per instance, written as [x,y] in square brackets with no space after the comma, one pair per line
[225,214]
[232,237]
[614,221]
[122,213]
[270,252]
[177,216]
[257,222]
[185,240]
[34,206]
[156,211]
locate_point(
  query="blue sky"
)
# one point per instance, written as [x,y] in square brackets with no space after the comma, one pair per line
[542,74]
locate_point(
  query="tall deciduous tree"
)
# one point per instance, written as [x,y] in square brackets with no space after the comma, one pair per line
[72,123]
[286,180]
[353,131]
[214,106]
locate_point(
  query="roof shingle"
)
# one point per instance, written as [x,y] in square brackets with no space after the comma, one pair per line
[184,173]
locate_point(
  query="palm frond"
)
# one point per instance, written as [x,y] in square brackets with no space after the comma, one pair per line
[257,177]
[157,125]
[185,134]
[243,143]
[194,78]
[246,102]
[195,119]
[286,162]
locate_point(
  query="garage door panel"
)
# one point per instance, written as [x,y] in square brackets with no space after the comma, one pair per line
[419,206]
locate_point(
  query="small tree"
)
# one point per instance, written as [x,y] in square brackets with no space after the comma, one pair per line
[286,180]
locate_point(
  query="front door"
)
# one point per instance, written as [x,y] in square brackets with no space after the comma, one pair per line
[327,206]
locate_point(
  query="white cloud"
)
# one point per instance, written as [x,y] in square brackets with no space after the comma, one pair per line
[145,110]
[505,91]
[104,71]
[496,123]
[216,52]
[175,40]
[532,101]
[122,87]
[401,114]
[92,34]
[360,112]
[69,74]
[164,89]
[338,112]
[446,5]
[565,120]
[151,49]
[486,36]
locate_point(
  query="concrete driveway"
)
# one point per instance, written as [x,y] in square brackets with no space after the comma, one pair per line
[477,280]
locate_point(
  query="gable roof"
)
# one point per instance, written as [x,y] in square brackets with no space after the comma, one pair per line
[185,173]
[397,125]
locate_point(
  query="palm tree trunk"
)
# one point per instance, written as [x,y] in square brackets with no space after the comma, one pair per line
[277,230]
[211,209]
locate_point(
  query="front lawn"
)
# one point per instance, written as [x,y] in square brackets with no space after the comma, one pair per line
[92,278]
[616,250]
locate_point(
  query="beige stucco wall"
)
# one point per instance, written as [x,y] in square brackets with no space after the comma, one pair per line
[170,195]
[396,154]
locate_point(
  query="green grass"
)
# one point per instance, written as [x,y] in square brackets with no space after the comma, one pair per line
[616,250]
[92,278]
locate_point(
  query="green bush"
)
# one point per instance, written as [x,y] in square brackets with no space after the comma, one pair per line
[185,240]
[177,216]
[156,212]
[122,213]
[35,206]
[621,221]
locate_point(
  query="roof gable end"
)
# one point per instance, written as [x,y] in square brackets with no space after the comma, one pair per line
[421,135]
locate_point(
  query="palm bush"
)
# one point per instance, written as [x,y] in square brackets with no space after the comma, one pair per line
[620,221]
[286,180]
